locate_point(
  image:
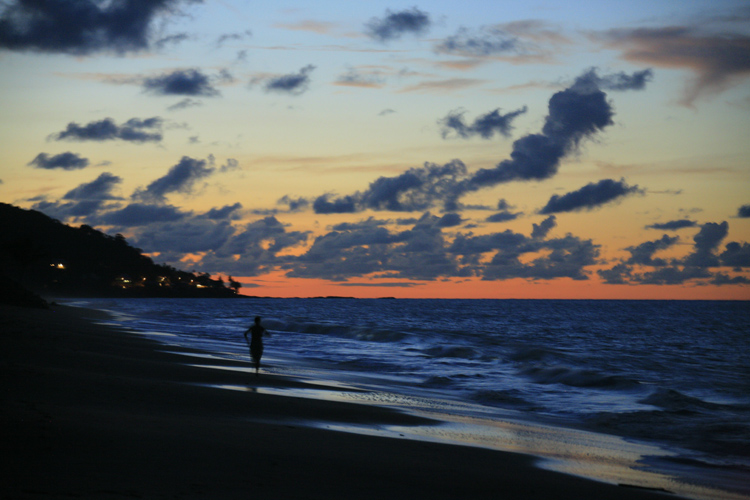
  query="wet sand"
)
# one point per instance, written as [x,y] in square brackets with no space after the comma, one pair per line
[90,411]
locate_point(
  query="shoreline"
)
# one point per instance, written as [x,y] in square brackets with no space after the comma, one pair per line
[93,410]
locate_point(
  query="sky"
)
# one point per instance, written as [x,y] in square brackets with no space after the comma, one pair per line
[481,149]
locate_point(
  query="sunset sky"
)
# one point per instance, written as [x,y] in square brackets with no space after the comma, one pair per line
[479,149]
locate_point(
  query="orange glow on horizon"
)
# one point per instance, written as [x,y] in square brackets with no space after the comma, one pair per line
[277,285]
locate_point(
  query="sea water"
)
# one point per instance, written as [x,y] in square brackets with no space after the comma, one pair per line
[672,373]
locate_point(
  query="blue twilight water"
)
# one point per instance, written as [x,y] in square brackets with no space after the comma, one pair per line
[671,372]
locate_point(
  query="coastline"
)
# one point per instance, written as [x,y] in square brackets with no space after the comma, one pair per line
[90,410]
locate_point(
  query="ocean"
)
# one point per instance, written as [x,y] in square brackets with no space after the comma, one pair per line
[671,375]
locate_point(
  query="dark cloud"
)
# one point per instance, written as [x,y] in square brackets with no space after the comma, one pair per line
[671,275]
[83,201]
[736,255]
[141,214]
[294,204]
[253,249]
[450,220]
[643,254]
[180,178]
[368,223]
[225,212]
[518,256]
[69,210]
[724,279]
[575,114]
[184,235]
[698,266]
[415,190]
[422,252]
[541,230]
[673,225]
[294,84]
[484,126]
[706,241]
[396,24]
[134,130]
[487,41]
[590,196]
[98,189]
[81,27]
[718,61]
[65,161]
[743,211]
[188,82]
[619,274]
[503,216]
[344,205]
[615,81]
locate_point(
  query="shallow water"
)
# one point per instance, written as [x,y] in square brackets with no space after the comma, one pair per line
[673,374]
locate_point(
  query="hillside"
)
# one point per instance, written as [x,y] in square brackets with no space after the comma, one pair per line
[54,259]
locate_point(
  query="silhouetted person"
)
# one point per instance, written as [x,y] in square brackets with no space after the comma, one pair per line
[256,332]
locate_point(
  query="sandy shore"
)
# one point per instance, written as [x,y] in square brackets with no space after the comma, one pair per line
[90,411]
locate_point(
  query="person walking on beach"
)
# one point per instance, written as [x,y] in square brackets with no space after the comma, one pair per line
[256,332]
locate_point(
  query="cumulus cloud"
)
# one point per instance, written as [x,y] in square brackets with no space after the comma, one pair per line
[743,211]
[672,225]
[415,190]
[589,197]
[141,214]
[503,216]
[225,212]
[98,189]
[540,231]
[484,126]
[293,84]
[188,82]
[294,204]
[81,27]
[574,115]
[706,241]
[65,161]
[396,24]
[180,178]
[700,266]
[736,255]
[643,254]
[134,130]
[83,201]
[717,61]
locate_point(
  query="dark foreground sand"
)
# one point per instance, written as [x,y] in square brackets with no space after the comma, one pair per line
[93,412]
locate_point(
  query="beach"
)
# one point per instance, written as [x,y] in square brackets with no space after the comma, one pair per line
[93,411]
